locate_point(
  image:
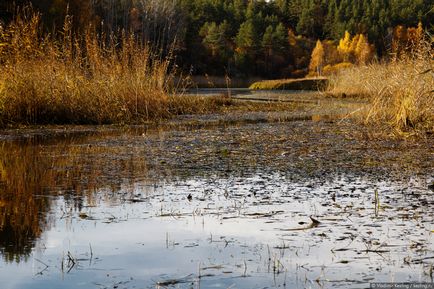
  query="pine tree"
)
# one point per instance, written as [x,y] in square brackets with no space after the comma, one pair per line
[267,46]
[306,21]
[215,38]
[212,38]
[267,40]
[280,37]
[246,39]
[331,18]
[246,46]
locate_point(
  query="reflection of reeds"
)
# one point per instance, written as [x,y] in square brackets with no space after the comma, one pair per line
[20,224]
[31,173]
[401,91]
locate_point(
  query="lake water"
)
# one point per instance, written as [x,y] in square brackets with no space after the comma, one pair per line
[296,204]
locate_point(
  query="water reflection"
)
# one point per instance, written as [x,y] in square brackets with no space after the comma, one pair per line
[23,178]
[33,173]
[214,207]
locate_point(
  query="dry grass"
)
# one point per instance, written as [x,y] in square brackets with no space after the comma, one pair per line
[291,84]
[82,79]
[401,91]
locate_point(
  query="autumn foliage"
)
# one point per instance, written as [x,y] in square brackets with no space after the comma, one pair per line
[317,59]
[406,40]
[327,58]
[400,89]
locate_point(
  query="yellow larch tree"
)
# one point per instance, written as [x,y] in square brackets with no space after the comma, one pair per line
[344,46]
[354,43]
[363,50]
[317,59]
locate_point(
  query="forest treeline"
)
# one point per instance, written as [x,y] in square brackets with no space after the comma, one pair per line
[246,37]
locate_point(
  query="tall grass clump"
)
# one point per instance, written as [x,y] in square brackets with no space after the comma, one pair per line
[401,91]
[78,77]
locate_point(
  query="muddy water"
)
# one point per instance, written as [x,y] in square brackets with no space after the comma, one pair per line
[298,204]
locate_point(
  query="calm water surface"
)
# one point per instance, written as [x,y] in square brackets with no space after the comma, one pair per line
[223,207]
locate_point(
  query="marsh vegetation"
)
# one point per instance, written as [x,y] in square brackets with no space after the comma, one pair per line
[400,91]
[139,179]
[60,64]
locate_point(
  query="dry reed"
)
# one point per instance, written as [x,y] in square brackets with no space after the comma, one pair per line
[86,78]
[401,91]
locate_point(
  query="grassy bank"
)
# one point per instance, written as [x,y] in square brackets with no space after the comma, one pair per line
[291,84]
[401,91]
[208,81]
[84,78]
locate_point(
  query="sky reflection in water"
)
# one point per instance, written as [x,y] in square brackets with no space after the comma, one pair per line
[122,213]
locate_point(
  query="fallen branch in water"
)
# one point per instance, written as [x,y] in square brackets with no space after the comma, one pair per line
[315,223]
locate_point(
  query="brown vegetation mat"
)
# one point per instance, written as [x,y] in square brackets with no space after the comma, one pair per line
[291,84]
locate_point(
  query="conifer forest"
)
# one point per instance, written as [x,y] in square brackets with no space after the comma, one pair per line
[268,39]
